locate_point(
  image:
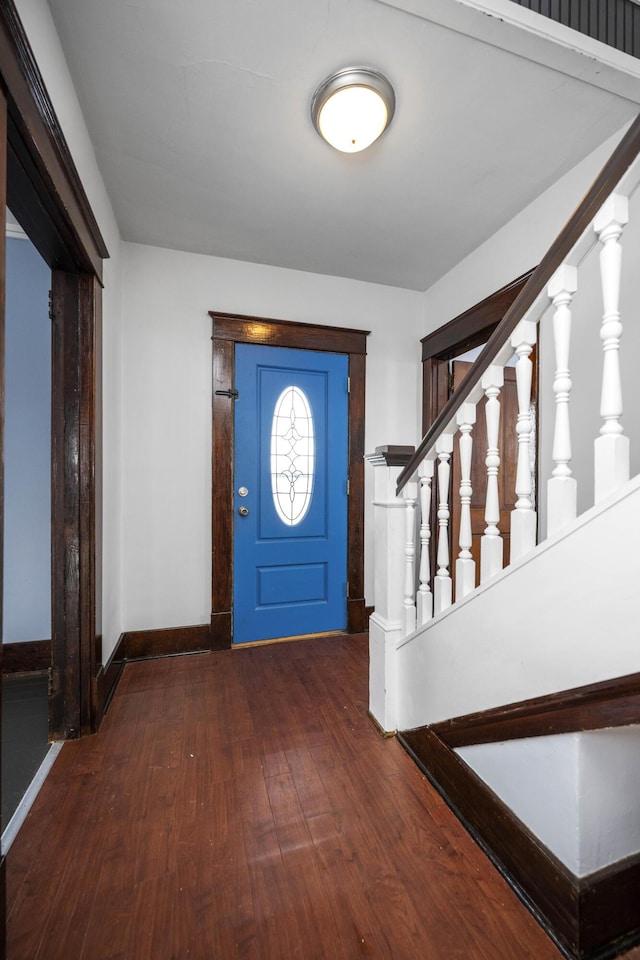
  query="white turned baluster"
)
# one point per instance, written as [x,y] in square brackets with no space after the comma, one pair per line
[442,580]
[611,447]
[409,493]
[562,487]
[424,602]
[465,564]
[491,549]
[523,516]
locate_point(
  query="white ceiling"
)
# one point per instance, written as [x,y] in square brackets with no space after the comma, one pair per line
[199,114]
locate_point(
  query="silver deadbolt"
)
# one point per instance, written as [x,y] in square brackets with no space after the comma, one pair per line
[243,511]
[242,491]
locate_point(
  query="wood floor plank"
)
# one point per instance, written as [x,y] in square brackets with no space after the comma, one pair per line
[241,805]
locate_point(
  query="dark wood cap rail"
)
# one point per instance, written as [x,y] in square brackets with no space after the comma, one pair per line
[608,703]
[391,456]
[618,163]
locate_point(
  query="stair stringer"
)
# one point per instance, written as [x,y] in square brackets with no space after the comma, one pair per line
[563,616]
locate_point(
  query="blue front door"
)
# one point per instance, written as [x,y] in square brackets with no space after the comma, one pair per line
[290,492]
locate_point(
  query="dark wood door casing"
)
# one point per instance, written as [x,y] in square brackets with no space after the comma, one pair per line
[3,277]
[466,331]
[45,193]
[229,329]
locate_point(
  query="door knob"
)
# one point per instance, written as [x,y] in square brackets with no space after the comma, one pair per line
[243,511]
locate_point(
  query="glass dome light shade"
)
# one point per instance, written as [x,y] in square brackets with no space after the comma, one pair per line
[352,108]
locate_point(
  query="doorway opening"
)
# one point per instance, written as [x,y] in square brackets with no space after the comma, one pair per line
[26,617]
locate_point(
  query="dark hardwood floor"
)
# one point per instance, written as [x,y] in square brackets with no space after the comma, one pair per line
[241,804]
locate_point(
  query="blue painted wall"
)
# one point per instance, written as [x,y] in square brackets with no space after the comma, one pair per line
[27,517]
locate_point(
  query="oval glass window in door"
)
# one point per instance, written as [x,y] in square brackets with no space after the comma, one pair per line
[292,455]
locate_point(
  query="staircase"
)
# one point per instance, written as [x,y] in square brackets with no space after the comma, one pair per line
[457,643]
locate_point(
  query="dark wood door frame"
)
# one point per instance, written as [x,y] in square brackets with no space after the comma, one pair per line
[466,331]
[229,329]
[44,192]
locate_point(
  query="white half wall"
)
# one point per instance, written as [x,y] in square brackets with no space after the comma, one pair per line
[166,391]
[562,617]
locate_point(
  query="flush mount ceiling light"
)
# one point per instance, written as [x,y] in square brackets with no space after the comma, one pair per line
[352,108]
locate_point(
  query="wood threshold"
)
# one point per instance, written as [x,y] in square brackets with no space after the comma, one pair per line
[292,639]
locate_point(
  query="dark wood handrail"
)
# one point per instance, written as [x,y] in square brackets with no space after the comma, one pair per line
[613,170]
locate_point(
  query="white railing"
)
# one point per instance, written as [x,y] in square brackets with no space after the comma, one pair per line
[546,299]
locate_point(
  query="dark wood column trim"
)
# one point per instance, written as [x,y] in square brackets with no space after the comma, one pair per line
[229,329]
[356,615]
[609,703]
[222,492]
[74,652]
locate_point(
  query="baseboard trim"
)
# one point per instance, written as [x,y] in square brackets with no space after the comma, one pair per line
[32,656]
[356,617]
[221,637]
[108,678]
[144,645]
[166,642]
[589,918]
[387,734]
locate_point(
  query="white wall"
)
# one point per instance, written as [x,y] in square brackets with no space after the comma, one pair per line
[577,792]
[538,779]
[515,248]
[609,792]
[44,40]
[166,390]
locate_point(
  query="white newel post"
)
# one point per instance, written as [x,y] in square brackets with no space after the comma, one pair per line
[562,488]
[425,599]
[491,548]
[523,516]
[410,496]
[465,564]
[611,447]
[442,581]
[386,624]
